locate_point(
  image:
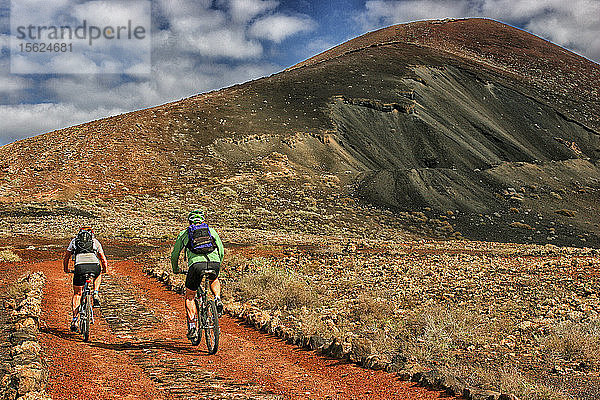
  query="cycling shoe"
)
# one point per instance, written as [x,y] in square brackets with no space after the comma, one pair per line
[219,305]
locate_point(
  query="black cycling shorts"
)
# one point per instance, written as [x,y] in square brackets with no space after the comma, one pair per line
[81,270]
[196,271]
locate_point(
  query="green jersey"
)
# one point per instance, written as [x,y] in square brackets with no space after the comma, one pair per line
[181,243]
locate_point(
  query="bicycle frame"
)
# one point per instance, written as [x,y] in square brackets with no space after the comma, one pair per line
[201,294]
[207,319]
[86,310]
[89,281]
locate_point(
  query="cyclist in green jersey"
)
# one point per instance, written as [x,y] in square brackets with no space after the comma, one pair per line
[197,264]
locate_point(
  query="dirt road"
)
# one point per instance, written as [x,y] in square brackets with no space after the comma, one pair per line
[138,350]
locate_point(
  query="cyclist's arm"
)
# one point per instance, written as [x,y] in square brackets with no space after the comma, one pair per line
[175,253]
[100,255]
[66,259]
[219,243]
[103,261]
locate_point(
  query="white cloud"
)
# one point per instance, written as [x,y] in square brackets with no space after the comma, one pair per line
[101,13]
[206,32]
[385,12]
[37,12]
[318,46]
[93,53]
[24,65]
[19,121]
[225,42]
[279,27]
[4,41]
[11,84]
[573,24]
[73,63]
[245,10]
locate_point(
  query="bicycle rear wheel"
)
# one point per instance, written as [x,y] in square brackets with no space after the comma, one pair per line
[210,322]
[86,307]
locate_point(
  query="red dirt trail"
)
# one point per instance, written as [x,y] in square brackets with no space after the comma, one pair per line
[149,358]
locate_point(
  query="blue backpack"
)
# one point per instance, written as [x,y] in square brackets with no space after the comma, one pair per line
[200,241]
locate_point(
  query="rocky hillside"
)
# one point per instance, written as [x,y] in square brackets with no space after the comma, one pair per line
[469,123]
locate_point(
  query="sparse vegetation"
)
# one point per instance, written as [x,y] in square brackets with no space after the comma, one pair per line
[8,255]
[432,335]
[275,288]
[453,312]
[17,290]
[575,343]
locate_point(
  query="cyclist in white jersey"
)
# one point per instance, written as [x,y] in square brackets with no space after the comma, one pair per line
[88,257]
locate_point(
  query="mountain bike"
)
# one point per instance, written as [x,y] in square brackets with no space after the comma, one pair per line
[86,310]
[206,316]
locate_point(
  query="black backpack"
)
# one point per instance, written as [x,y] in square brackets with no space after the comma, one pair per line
[84,242]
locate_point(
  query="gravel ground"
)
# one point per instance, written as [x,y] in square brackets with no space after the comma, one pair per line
[138,350]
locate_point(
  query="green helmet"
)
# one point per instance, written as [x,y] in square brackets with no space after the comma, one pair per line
[196,217]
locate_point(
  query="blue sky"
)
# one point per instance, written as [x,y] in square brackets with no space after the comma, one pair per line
[201,45]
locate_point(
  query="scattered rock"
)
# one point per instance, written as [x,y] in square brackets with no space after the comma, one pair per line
[566,212]
[25,375]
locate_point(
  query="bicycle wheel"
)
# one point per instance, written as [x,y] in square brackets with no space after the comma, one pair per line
[84,318]
[210,322]
[196,340]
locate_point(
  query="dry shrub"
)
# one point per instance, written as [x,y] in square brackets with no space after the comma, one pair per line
[369,308]
[511,381]
[430,335]
[313,324]
[576,343]
[276,288]
[310,268]
[235,261]
[228,192]
[9,256]
[17,290]
[505,380]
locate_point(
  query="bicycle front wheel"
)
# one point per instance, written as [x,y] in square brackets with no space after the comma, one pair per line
[210,322]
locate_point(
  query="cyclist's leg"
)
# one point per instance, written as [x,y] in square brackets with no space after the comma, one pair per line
[192,282]
[80,272]
[77,291]
[215,287]
[97,282]
[215,284]
[190,305]
[78,282]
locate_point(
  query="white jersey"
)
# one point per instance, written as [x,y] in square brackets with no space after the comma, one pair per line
[86,258]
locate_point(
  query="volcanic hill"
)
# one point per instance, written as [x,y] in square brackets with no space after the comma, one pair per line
[470,126]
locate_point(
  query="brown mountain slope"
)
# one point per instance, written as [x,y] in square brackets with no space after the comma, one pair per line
[559,75]
[468,118]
